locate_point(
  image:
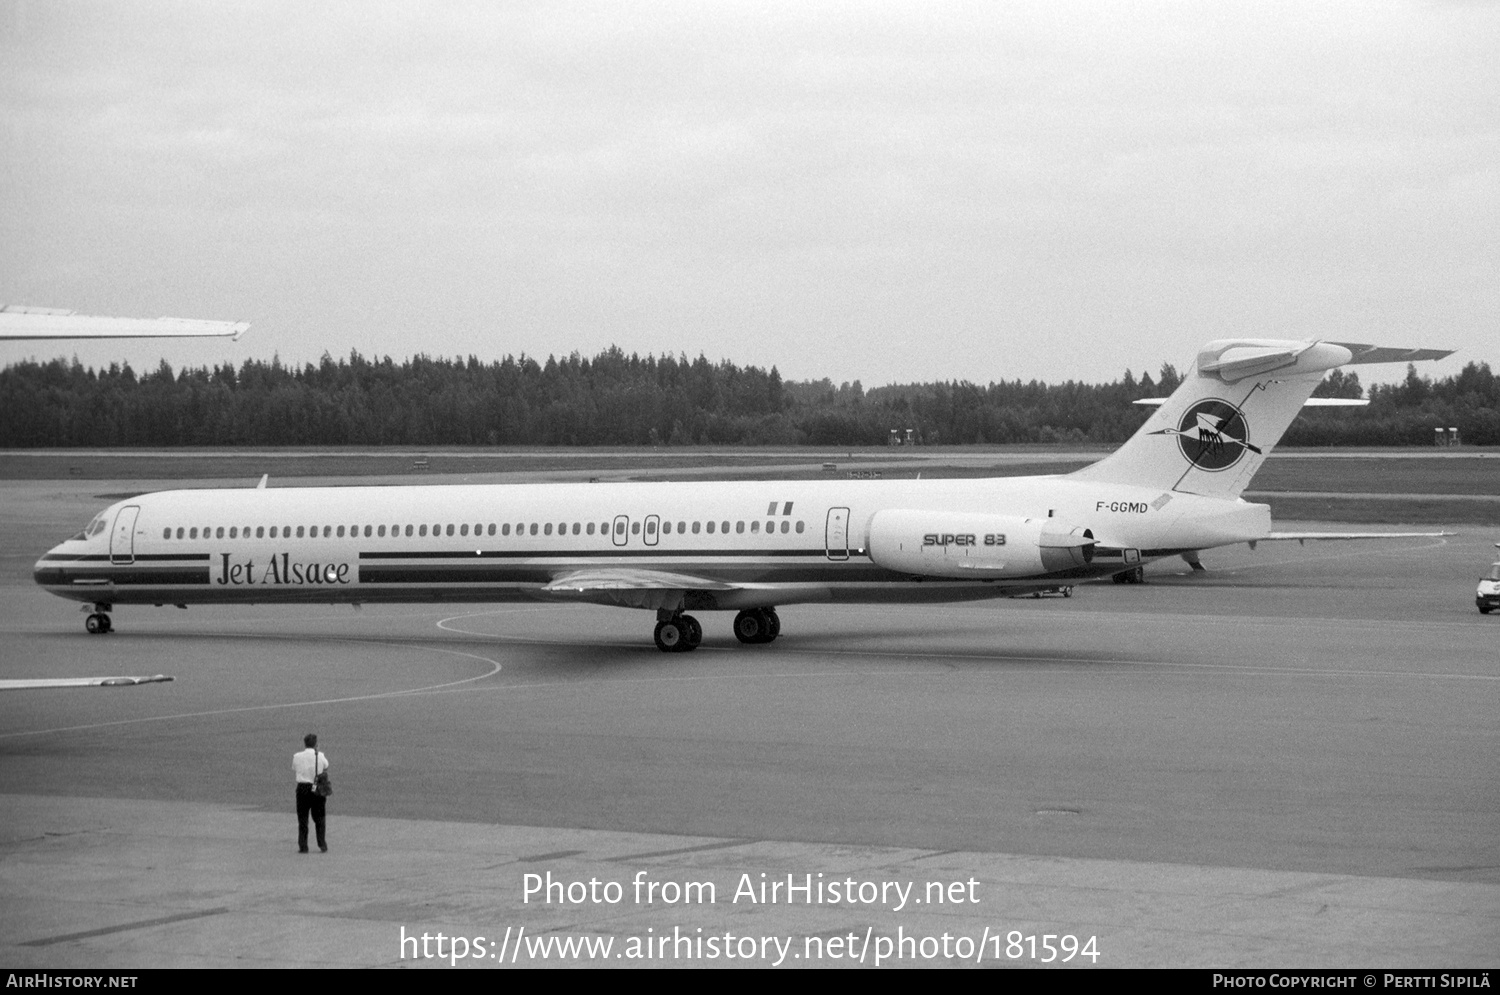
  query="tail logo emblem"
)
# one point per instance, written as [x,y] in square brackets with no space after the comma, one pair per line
[1212,435]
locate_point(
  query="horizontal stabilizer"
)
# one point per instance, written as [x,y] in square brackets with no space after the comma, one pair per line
[1311,402]
[1390,354]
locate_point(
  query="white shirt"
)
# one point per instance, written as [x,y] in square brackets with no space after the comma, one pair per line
[302,765]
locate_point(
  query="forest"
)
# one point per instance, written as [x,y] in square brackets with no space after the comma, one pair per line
[618,399]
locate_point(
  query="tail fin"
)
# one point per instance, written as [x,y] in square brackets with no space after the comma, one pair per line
[1217,428]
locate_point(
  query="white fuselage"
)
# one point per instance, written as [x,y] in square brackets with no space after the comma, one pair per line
[760,543]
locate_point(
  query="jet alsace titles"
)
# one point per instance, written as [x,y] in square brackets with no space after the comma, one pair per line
[745,547]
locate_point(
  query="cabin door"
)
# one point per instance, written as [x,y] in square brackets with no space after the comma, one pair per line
[122,539]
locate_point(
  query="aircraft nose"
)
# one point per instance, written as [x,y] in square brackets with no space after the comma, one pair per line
[46,571]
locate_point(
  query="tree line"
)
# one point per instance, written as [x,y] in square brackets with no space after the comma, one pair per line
[619,399]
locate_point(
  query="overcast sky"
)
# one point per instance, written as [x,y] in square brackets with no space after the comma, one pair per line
[883,191]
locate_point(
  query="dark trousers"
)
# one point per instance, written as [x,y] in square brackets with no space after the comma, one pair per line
[307,802]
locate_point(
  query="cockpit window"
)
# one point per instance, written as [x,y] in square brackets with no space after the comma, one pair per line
[95,527]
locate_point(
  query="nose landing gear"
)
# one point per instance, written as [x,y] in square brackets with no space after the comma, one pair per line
[98,622]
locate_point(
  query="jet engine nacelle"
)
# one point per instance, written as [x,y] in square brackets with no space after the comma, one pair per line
[948,544]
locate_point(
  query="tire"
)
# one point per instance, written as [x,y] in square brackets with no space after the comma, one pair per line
[94,624]
[694,631]
[749,627]
[670,637]
[1485,610]
[773,627]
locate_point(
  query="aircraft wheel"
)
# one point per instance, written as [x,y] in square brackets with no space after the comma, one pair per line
[95,624]
[750,627]
[1485,611]
[107,622]
[670,637]
[773,620]
[694,631]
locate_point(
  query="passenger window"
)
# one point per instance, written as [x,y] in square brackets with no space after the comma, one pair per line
[380,532]
[179,532]
[234,532]
[422,531]
[341,532]
[755,526]
[505,529]
[450,530]
[408,531]
[219,532]
[591,528]
[166,533]
[799,528]
[724,527]
[328,531]
[548,529]
[785,527]
[464,529]
[575,528]
[533,528]
[619,528]
[651,528]
[635,528]
[710,528]
[739,528]
[492,528]
[695,528]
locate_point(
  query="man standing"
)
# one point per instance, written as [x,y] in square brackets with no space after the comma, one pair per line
[307,765]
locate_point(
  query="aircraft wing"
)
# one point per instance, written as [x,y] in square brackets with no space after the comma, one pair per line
[17,323]
[628,587]
[1303,537]
[79,682]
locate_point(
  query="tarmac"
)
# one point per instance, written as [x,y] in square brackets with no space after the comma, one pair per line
[147,884]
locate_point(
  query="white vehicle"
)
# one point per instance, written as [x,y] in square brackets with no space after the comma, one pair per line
[744,547]
[1487,596]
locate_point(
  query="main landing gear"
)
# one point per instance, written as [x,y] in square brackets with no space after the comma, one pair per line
[677,633]
[98,622]
[757,625]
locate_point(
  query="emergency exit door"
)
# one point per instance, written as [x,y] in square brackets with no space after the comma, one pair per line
[837,537]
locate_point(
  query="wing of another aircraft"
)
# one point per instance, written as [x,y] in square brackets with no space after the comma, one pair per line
[19,323]
[79,682]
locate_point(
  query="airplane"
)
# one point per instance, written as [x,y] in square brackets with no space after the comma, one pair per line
[20,322]
[1173,489]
